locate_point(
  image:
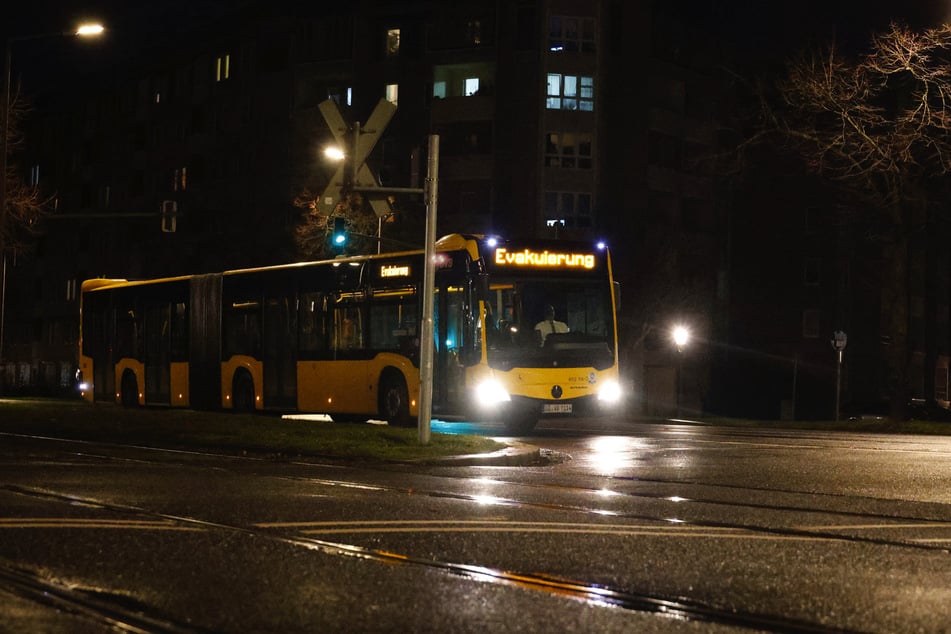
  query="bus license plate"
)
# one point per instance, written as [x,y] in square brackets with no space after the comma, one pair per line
[556,408]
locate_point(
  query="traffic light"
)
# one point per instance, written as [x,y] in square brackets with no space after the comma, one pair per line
[339,236]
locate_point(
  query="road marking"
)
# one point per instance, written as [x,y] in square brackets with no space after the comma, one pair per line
[74,522]
[502,526]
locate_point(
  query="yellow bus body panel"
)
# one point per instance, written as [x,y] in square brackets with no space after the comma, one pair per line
[351,387]
[179,384]
[537,383]
[86,367]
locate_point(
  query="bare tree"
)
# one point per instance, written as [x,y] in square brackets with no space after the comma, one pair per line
[877,126]
[24,204]
[312,234]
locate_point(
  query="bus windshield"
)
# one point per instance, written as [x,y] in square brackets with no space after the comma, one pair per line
[549,322]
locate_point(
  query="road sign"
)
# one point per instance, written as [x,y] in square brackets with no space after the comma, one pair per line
[839,340]
[358,141]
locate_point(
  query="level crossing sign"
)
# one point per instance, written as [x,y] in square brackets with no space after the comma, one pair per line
[357,142]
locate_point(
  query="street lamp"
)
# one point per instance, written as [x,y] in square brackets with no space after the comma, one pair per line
[83,30]
[681,337]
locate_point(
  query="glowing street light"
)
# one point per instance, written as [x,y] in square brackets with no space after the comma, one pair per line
[680,336]
[334,153]
[91,29]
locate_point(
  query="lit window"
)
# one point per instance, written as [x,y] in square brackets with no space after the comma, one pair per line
[392,42]
[180,179]
[393,93]
[554,91]
[35,175]
[471,86]
[223,67]
[475,32]
[570,92]
[439,89]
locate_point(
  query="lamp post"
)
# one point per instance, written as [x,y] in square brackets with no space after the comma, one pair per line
[681,337]
[84,30]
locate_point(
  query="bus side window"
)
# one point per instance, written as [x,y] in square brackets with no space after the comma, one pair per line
[311,322]
[348,327]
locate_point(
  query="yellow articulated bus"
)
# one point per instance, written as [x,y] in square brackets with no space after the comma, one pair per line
[521,330]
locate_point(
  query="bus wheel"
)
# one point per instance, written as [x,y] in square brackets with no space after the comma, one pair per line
[520,424]
[242,393]
[129,392]
[394,401]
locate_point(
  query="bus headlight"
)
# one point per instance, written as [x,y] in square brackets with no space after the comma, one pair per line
[610,392]
[490,393]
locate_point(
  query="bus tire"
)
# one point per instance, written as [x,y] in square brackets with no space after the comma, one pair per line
[242,393]
[129,390]
[394,400]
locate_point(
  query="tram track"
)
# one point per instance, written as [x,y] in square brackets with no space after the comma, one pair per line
[142,619]
[681,607]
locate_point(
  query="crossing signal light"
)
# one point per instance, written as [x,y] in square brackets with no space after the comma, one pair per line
[339,235]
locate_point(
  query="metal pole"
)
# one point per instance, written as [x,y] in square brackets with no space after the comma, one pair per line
[838,384]
[795,376]
[426,341]
[4,133]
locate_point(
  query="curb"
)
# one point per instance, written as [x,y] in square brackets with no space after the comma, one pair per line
[514,455]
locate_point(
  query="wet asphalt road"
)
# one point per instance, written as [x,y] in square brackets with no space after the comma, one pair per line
[629,527]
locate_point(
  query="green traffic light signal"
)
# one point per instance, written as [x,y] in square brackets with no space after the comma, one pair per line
[339,235]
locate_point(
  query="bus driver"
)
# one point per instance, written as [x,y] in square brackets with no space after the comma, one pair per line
[549,325]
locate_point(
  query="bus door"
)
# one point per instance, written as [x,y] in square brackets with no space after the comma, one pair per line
[158,327]
[99,324]
[279,351]
[455,346]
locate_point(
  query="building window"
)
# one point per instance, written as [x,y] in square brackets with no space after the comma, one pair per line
[439,89]
[474,28]
[810,323]
[570,92]
[34,175]
[393,93]
[180,179]
[392,42]
[569,150]
[71,288]
[470,86]
[568,209]
[223,67]
[571,34]
[342,96]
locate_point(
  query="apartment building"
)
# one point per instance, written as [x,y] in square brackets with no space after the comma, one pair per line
[556,118]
